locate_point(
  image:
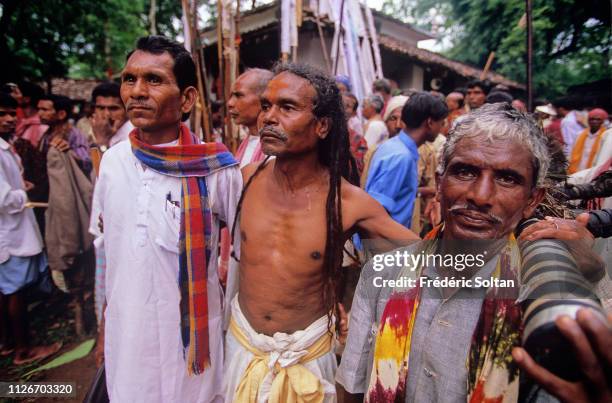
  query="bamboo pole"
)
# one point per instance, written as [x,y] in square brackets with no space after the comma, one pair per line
[152,19]
[208,131]
[340,35]
[203,88]
[487,66]
[221,77]
[201,121]
[239,37]
[529,55]
[228,70]
[323,44]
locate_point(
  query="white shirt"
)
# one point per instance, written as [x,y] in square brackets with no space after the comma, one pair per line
[122,134]
[250,149]
[143,348]
[19,233]
[586,151]
[603,156]
[376,133]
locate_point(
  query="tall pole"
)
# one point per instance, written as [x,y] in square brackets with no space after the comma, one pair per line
[487,66]
[323,44]
[529,55]
[221,59]
[340,28]
[152,22]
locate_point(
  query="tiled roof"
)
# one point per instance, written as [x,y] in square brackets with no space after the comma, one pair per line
[428,57]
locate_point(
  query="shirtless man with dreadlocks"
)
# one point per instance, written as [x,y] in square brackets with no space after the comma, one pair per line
[293,226]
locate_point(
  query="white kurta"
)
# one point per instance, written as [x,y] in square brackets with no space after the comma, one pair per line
[376,133]
[143,349]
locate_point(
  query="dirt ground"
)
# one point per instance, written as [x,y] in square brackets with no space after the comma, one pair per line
[51,320]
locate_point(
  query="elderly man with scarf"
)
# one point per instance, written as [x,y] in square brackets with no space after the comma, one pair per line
[588,142]
[416,340]
[161,196]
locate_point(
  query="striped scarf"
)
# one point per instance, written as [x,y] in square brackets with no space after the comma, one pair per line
[191,162]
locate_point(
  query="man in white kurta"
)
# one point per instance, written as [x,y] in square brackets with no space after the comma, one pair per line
[140,211]
[143,348]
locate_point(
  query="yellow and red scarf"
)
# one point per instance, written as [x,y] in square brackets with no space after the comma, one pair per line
[491,375]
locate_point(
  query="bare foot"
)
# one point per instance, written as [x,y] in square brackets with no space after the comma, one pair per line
[36,353]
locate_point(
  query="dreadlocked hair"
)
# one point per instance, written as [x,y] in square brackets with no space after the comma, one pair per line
[333,153]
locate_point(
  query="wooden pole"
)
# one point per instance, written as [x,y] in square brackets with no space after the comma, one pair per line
[323,44]
[203,88]
[487,66]
[152,20]
[202,119]
[221,62]
[340,34]
[239,37]
[528,12]
[227,69]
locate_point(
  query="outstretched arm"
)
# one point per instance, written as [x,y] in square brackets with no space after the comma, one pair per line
[373,222]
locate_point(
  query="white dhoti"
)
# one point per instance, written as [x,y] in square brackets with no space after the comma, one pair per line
[297,367]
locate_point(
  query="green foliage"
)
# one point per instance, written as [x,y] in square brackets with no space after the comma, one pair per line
[40,39]
[571,37]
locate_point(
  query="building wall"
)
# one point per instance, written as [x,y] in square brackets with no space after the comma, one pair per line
[310,50]
[401,69]
[417,77]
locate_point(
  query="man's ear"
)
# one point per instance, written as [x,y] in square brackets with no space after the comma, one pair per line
[323,127]
[537,195]
[61,115]
[188,98]
[431,122]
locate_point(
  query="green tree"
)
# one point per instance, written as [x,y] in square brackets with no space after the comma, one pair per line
[571,37]
[85,38]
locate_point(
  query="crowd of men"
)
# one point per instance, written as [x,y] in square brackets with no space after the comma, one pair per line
[224,277]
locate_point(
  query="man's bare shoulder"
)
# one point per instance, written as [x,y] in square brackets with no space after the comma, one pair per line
[249,170]
[356,197]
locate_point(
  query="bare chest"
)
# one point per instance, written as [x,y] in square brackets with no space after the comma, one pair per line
[277,229]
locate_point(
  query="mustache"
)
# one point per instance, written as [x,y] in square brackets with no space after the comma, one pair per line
[454,209]
[273,131]
[138,104]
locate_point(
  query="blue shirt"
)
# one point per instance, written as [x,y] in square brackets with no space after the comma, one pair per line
[393,177]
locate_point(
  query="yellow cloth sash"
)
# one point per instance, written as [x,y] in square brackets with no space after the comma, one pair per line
[578,149]
[293,384]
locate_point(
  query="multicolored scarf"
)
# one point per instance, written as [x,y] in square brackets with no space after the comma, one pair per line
[492,376]
[191,162]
